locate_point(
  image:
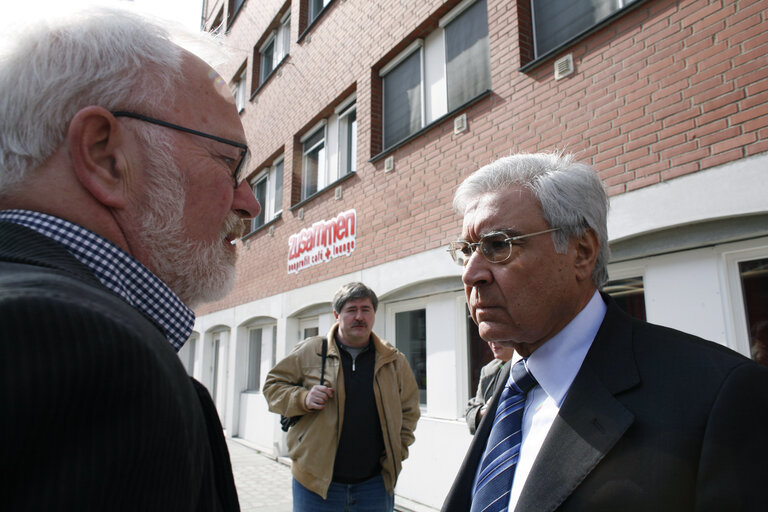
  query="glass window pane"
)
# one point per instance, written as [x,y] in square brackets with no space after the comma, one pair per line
[402,100]
[467,55]
[260,191]
[278,187]
[254,360]
[311,331]
[754,286]
[314,163]
[557,21]
[411,340]
[629,294]
[267,60]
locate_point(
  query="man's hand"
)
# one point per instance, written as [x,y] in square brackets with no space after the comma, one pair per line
[318,396]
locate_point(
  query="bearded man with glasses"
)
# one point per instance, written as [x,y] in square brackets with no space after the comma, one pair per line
[121,199]
[596,410]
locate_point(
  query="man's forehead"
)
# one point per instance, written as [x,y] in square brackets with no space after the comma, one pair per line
[358,303]
[206,102]
[499,211]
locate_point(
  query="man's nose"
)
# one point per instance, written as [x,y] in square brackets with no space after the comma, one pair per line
[244,202]
[477,270]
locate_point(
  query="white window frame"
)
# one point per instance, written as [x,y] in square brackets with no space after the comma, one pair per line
[322,163]
[730,280]
[434,84]
[238,90]
[270,176]
[280,41]
[335,165]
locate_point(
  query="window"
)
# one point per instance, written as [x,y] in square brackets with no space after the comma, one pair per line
[268,189]
[275,48]
[315,8]
[330,148]
[234,9]
[238,90]
[254,360]
[629,294]
[411,340]
[348,140]
[218,23]
[754,286]
[438,74]
[556,22]
[313,161]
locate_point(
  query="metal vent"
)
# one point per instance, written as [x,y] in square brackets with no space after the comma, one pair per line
[460,124]
[337,193]
[301,213]
[389,164]
[564,67]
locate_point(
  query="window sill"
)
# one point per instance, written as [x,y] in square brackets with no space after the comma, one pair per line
[322,191]
[430,126]
[262,227]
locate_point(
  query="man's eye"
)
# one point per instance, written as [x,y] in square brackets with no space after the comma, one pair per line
[495,245]
[465,249]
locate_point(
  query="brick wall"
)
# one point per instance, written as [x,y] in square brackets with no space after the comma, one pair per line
[667,89]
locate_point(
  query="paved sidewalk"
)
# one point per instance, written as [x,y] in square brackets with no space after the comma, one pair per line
[263,484]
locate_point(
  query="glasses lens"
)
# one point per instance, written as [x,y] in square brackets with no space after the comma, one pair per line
[460,252]
[496,248]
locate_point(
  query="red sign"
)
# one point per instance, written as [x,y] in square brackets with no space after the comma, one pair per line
[322,242]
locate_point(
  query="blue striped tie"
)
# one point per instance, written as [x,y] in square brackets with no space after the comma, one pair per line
[497,467]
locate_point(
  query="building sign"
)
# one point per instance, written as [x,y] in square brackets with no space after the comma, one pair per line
[322,242]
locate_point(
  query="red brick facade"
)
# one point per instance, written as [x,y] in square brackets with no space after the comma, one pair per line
[666,89]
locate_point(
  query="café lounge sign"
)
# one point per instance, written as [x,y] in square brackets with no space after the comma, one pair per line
[322,242]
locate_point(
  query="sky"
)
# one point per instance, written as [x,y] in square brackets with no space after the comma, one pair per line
[187,12]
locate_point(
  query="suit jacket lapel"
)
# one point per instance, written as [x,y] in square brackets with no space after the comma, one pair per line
[591,420]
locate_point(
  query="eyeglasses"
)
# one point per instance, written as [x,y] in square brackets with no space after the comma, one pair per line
[495,247]
[234,164]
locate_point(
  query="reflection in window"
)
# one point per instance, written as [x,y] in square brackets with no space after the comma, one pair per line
[411,340]
[557,21]
[754,286]
[629,295]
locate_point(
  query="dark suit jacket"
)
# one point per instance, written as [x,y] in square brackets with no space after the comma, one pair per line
[655,420]
[97,411]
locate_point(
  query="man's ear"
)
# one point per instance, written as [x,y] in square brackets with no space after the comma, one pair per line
[96,147]
[587,249]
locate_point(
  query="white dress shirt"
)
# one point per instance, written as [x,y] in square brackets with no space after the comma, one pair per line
[554,365]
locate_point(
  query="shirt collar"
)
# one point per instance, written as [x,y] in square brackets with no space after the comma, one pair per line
[117,270]
[556,362]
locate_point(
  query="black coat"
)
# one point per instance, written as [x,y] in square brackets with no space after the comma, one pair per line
[655,420]
[97,410]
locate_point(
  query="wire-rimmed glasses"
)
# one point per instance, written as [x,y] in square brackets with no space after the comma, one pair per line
[496,247]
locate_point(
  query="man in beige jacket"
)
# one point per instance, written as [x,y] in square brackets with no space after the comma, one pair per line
[357,422]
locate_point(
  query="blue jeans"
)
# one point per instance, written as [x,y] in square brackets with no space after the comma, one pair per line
[367,496]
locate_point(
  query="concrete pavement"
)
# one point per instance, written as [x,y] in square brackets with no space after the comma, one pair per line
[263,484]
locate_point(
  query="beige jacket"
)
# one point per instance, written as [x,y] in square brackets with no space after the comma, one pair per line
[312,442]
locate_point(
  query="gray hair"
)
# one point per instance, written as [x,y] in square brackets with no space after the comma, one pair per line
[570,193]
[353,291]
[57,66]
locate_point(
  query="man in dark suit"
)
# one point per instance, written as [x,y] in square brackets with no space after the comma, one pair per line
[113,224]
[622,415]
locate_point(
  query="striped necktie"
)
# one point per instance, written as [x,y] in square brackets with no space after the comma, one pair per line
[497,467]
